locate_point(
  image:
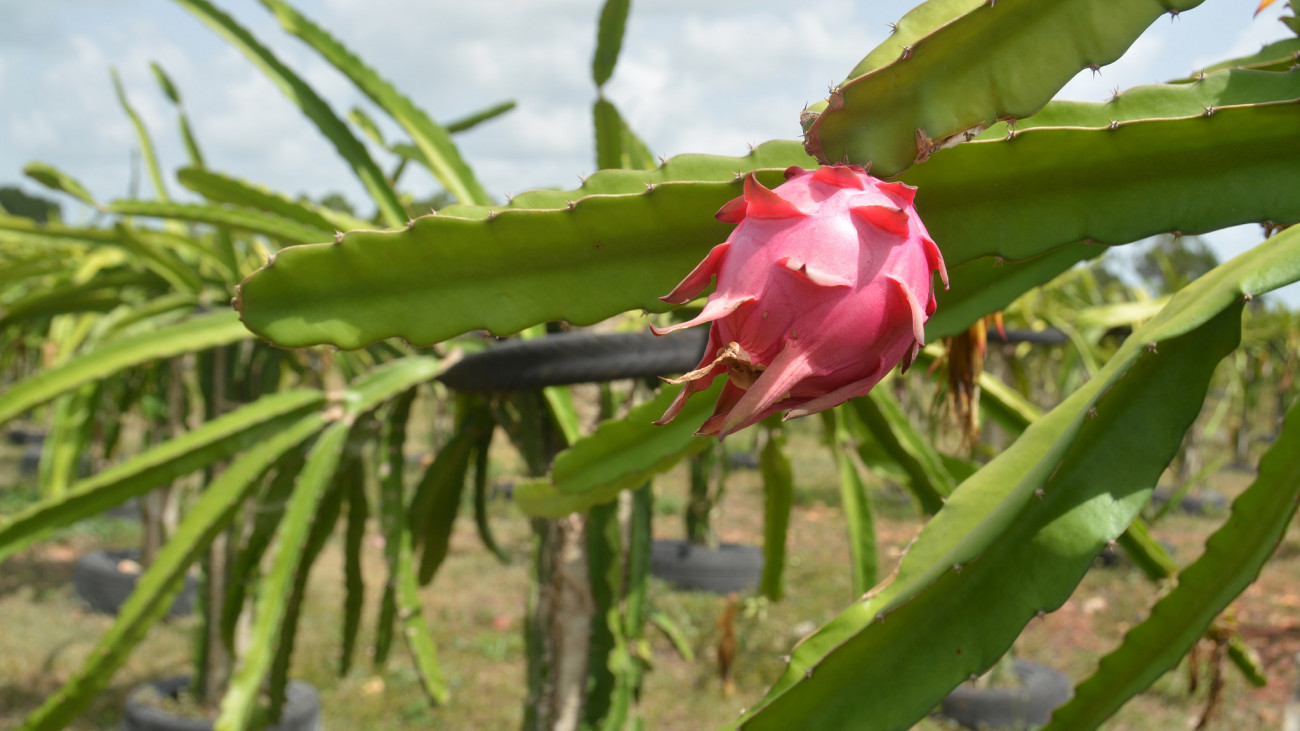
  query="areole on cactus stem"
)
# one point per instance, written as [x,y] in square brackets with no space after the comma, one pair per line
[824,286]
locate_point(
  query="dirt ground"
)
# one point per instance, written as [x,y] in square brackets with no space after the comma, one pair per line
[476,606]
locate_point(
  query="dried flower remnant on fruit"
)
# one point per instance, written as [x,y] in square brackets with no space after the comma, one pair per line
[823,287]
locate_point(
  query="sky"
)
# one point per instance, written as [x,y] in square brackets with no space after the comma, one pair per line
[693,76]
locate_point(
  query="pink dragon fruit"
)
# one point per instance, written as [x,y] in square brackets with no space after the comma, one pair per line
[824,286]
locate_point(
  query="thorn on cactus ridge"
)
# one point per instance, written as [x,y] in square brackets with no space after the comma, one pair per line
[650,187]
[1041,614]
[1114,124]
[1092,413]
[893,27]
[807,674]
[1095,68]
[572,204]
[1114,93]
[1209,111]
[973,677]
[338,237]
[1040,493]
[956,567]
[1151,347]
[1247,297]
[1173,14]
[907,53]
[1200,76]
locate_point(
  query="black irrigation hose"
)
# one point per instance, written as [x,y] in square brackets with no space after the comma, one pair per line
[578,357]
[587,357]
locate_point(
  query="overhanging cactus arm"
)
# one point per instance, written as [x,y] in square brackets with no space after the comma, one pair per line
[1211,91]
[1048,187]
[443,276]
[1001,60]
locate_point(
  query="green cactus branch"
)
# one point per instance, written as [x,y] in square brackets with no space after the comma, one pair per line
[311,104]
[620,455]
[1232,560]
[286,230]
[198,333]
[520,267]
[445,161]
[1048,187]
[222,188]
[146,144]
[1002,60]
[1044,495]
[55,179]
[218,439]
[1231,88]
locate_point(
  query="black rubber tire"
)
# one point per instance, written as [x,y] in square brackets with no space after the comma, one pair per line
[579,357]
[301,709]
[21,436]
[1041,691]
[1205,502]
[104,588]
[722,570]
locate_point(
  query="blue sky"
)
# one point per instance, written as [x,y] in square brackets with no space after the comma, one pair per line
[694,76]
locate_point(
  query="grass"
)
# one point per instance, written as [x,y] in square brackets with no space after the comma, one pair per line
[476,607]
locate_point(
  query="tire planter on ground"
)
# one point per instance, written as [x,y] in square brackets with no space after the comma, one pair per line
[301,709]
[1041,691]
[728,568]
[104,587]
